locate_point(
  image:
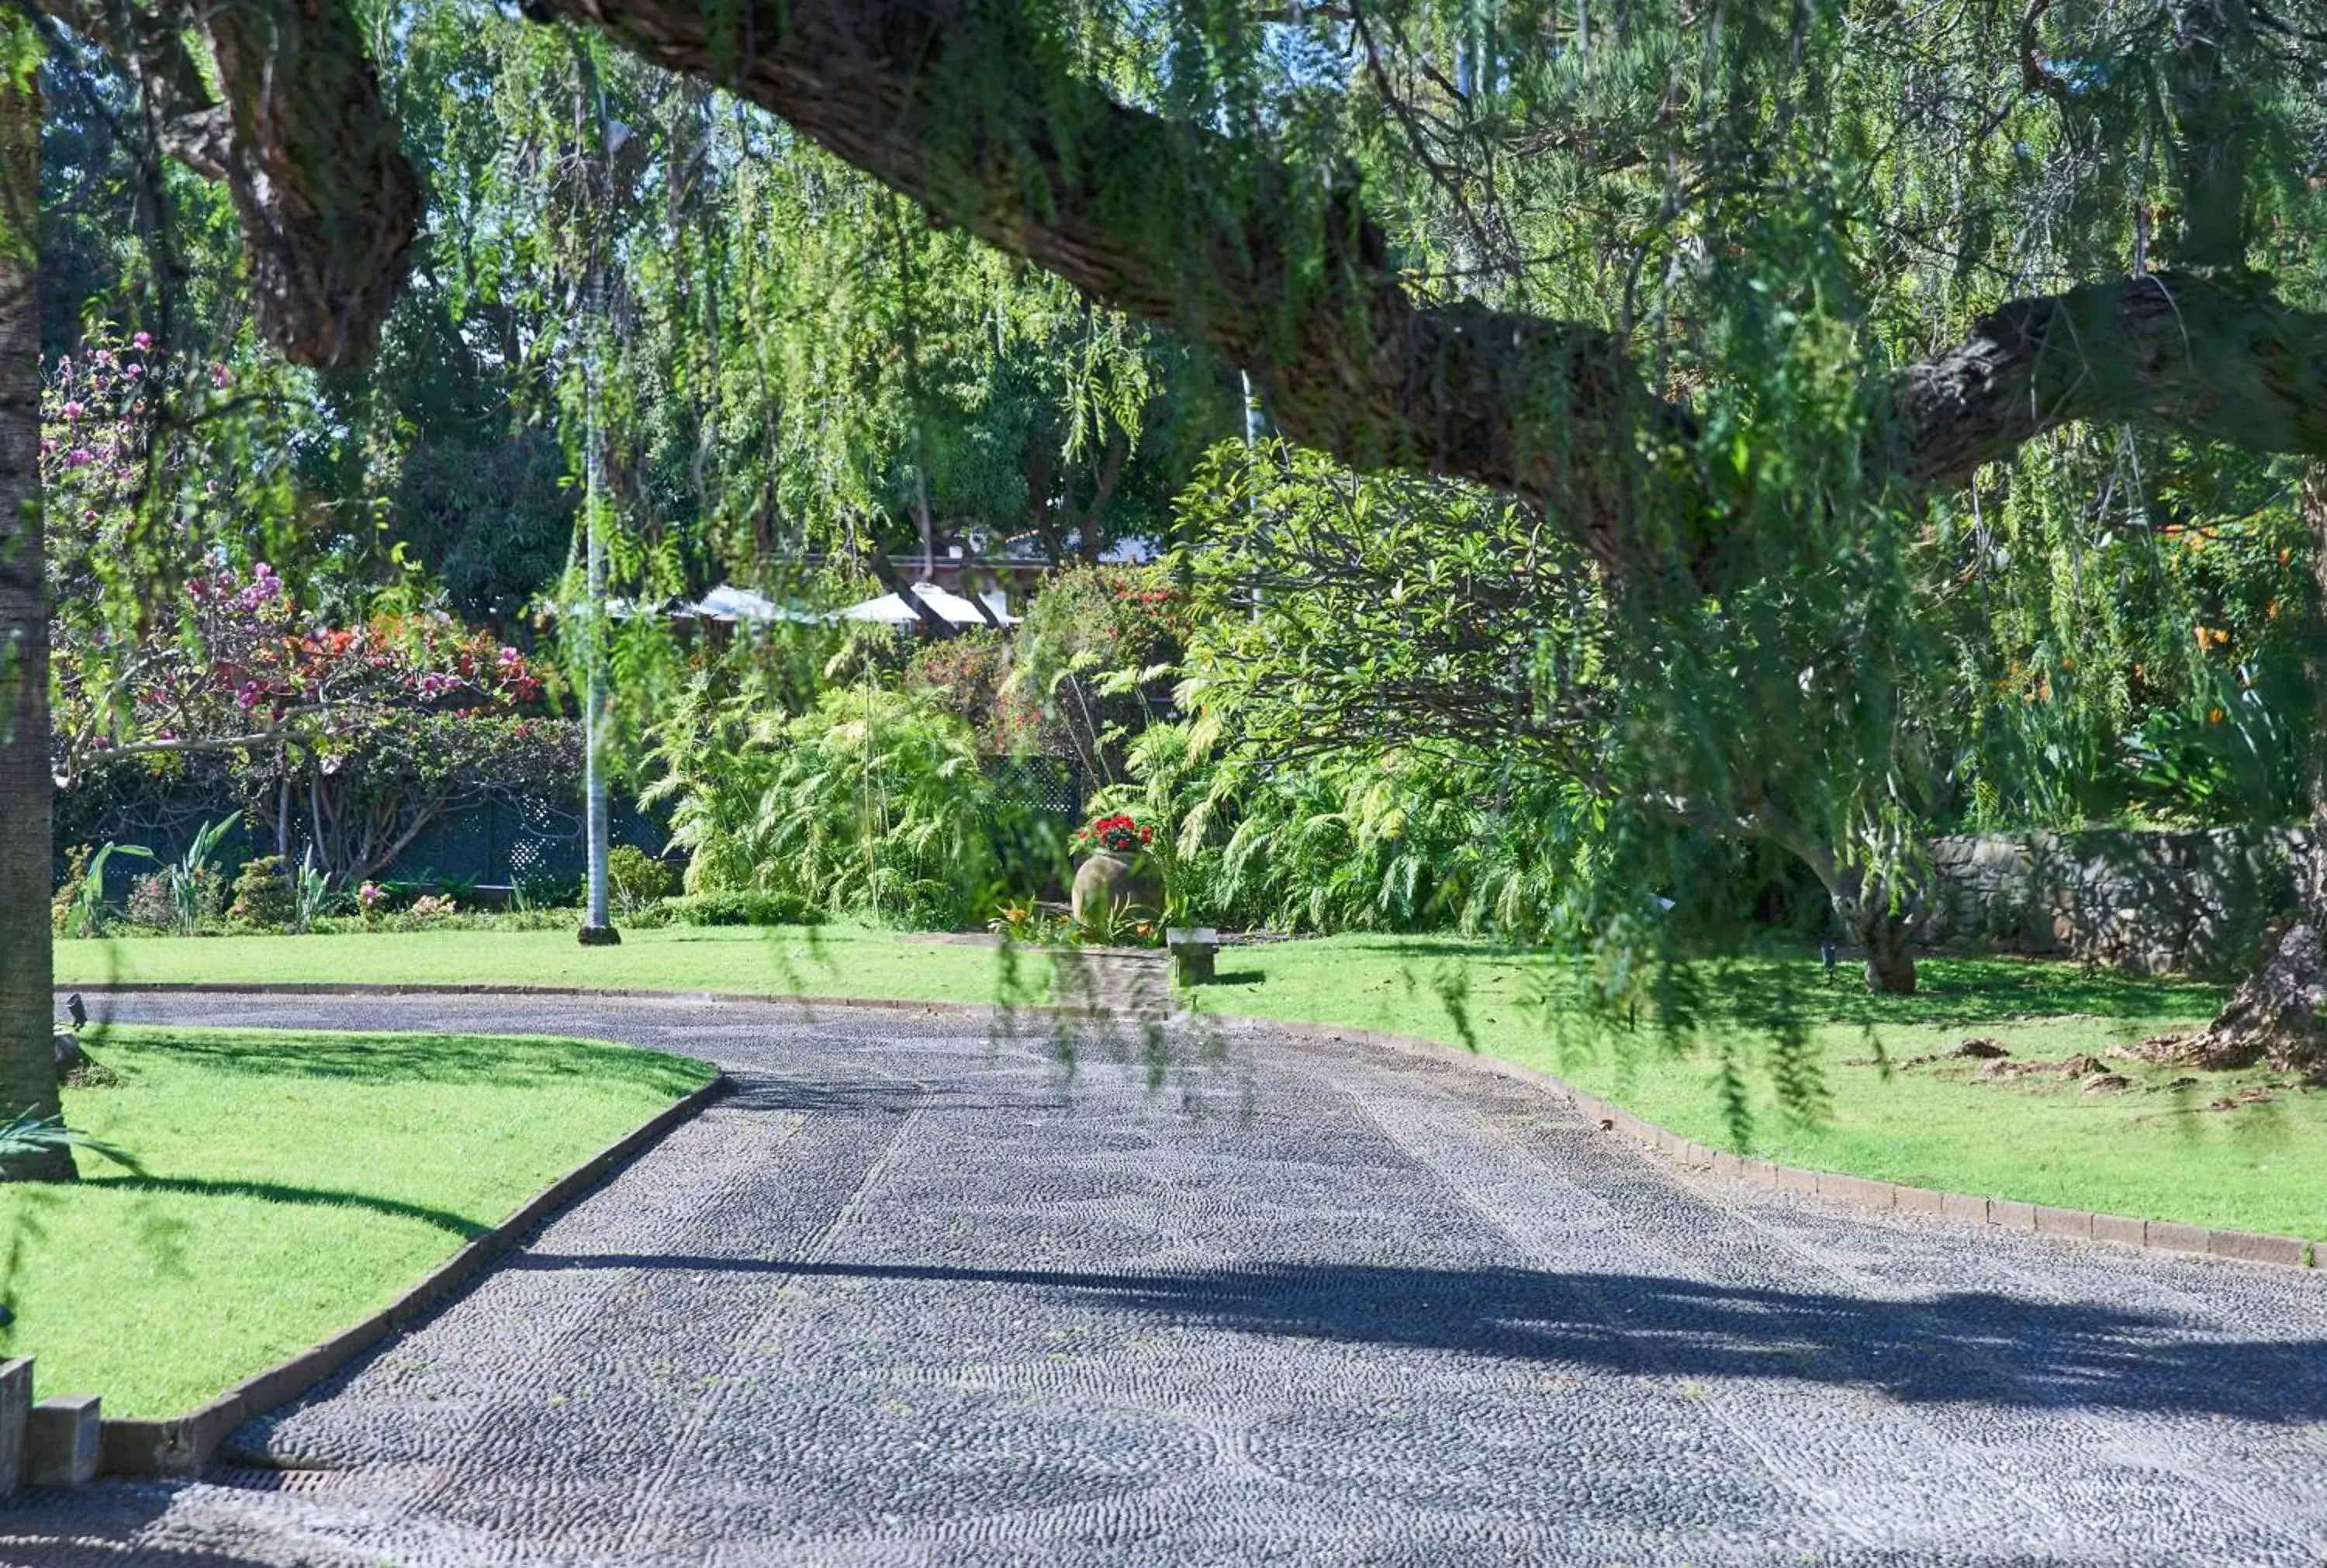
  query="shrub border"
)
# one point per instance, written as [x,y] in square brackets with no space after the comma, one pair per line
[181,1445]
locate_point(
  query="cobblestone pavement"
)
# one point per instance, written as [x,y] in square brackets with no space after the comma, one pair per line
[913,1296]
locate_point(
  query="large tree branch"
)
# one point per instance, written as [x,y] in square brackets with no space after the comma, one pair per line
[300,135]
[971,108]
[2220,360]
[974,110]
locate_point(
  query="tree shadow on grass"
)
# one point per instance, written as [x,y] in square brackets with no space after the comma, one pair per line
[459,1225]
[1976,1348]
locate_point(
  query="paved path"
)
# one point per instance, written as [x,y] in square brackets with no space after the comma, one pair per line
[911,1297]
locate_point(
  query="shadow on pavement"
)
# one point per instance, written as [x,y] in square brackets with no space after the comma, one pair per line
[1968,1347]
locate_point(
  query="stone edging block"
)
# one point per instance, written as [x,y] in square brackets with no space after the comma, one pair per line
[181,1445]
[61,1441]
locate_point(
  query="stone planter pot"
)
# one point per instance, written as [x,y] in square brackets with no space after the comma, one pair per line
[1106,879]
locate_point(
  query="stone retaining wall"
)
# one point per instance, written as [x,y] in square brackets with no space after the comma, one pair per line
[2151,903]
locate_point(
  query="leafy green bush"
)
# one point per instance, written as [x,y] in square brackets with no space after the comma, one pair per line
[873,802]
[546,889]
[79,908]
[263,894]
[634,878]
[1404,839]
[730,909]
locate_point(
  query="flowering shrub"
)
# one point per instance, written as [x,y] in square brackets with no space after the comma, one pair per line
[152,903]
[971,676]
[1115,835]
[429,906]
[1097,654]
[176,653]
[371,899]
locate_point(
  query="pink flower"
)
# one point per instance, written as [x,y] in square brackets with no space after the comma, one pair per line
[217,376]
[79,457]
[142,340]
[72,410]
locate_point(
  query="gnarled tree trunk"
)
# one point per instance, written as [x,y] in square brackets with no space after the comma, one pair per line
[1886,937]
[28,1061]
[1885,934]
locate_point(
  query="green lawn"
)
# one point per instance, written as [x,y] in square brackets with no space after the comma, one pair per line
[292,1183]
[2157,1150]
[804,960]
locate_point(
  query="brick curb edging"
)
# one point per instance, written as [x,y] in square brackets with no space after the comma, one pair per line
[2084,1224]
[180,1445]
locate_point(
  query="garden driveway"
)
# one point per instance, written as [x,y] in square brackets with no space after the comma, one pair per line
[912,1296]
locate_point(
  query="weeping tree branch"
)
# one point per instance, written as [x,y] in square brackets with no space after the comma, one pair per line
[972,109]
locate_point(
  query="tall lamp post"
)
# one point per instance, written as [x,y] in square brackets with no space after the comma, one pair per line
[597,923]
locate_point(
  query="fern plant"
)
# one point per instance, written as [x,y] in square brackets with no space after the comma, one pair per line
[872,803]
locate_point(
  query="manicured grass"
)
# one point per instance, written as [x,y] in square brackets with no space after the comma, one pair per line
[793,960]
[2157,1150]
[291,1182]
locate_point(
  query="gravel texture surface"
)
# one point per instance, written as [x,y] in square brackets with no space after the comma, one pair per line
[914,1295]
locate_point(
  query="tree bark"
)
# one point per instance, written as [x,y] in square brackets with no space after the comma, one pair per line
[297,131]
[28,1059]
[1884,936]
[1861,902]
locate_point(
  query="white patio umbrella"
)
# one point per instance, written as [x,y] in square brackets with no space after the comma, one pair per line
[729,603]
[953,608]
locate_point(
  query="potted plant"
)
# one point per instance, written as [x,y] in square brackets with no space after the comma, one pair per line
[1115,876]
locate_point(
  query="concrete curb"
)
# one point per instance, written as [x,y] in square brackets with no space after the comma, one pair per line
[181,1445]
[159,1446]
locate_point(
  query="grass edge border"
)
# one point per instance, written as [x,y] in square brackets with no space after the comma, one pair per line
[149,1447]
